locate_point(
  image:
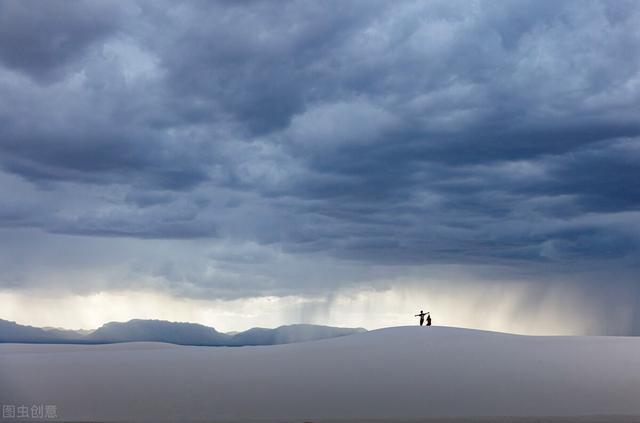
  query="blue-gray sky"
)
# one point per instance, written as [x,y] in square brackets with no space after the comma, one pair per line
[347,161]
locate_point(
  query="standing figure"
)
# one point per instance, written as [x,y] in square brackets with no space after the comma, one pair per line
[428,319]
[421,315]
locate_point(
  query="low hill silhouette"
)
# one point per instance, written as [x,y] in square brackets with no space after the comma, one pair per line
[180,333]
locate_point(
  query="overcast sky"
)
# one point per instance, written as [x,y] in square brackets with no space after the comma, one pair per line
[259,163]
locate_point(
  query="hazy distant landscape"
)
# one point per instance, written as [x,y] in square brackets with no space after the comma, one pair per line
[388,374]
[179,333]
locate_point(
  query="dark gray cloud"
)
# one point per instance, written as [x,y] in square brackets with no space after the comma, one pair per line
[45,40]
[403,133]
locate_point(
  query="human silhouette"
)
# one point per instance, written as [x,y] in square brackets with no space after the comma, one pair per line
[421,315]
[428,319]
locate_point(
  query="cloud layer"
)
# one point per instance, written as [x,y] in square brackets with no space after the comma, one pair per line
[226,150]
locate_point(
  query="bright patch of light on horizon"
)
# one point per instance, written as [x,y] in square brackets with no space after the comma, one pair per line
[505,307]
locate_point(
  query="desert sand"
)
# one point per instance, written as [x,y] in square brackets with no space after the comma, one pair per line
[395,374]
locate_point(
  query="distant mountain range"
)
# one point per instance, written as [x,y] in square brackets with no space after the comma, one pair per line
[171,332]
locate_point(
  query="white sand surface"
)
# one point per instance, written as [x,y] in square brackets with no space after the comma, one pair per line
[390,374]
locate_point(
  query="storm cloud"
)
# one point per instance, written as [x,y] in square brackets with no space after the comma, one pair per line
[297,148]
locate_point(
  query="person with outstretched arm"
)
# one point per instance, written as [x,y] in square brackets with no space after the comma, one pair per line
[421,315]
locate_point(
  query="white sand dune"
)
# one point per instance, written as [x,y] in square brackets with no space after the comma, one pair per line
[394,373]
